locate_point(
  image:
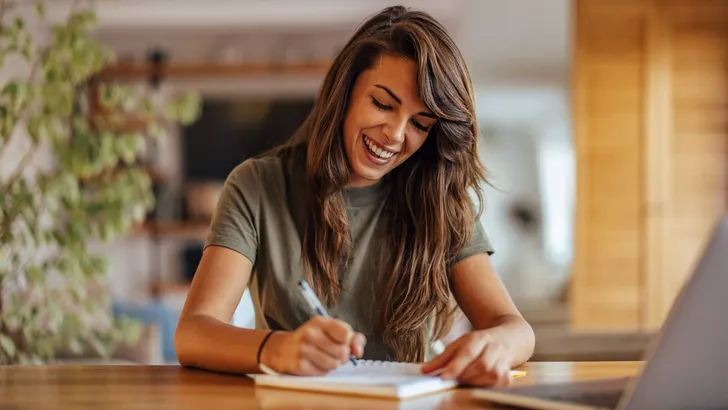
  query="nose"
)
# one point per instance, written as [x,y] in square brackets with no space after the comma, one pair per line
[394,130]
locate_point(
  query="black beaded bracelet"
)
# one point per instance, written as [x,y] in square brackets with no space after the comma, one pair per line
[260,348]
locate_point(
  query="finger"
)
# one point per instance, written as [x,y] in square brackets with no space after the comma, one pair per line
[498,377]
[442,359]
[503,370]
[338,330]
[357,344]
[485,363]
[307,368]
[465,355]
[320,359]
[477,368]
[317,337]
[494,354]
[478,373]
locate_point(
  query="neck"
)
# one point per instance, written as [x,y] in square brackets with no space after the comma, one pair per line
[358,182]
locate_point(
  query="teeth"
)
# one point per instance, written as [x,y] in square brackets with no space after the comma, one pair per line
[376,150]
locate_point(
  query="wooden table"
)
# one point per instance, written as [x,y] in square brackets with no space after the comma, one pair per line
[173,387]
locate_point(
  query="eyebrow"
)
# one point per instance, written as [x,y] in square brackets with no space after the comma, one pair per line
[399,101]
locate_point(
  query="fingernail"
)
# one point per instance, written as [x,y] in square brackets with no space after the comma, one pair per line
[436,372]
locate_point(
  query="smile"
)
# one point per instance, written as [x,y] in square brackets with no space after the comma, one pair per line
[375,150]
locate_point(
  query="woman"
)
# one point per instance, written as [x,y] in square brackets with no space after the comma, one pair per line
[369,202]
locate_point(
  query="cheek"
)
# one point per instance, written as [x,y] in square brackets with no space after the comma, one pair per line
[350,130]
[414,143]
[363,117]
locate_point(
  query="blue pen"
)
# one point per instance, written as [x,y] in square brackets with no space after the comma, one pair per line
[316,305]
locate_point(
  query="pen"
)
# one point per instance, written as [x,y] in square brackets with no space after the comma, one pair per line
[316,305]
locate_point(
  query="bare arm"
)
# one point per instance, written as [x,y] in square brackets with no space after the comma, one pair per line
[502,339]
[204,338]
[487,305]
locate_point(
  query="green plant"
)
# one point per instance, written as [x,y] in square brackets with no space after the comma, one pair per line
[89,188]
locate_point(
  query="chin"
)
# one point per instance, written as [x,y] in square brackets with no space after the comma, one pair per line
[366,174]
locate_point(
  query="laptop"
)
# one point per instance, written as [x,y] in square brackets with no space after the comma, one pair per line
[685,365]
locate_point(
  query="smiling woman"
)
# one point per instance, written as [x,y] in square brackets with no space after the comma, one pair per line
[385,106]
[369,201]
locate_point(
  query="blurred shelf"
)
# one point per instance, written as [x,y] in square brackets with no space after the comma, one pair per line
[192,230]
[198,69]
[156,174]
[120,123]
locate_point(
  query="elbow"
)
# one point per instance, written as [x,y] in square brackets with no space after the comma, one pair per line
[529,340]
[182,348]
[522,336]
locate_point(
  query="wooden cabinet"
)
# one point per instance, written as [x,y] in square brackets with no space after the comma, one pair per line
[650,117]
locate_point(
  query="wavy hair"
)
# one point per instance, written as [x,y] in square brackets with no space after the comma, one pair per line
[429,212]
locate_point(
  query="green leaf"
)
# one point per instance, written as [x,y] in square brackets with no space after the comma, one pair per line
[105,96]
[56,318]
[18,24]
[24,359]
[107,156]
[25,48]
[40,9]
[44,347]
[35,275]
[129,103]
[7,344]
[75,346]
[130,328]
[15,92]
[36,360]
[156,131]
[36,128]
[101,347]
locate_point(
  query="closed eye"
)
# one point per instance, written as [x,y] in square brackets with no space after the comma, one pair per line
[385,107]
[420,126]
[381,106]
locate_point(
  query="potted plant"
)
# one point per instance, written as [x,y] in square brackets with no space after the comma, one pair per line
[88,187]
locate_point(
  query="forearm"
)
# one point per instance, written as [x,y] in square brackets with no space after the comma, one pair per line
[514,332]
[205,342]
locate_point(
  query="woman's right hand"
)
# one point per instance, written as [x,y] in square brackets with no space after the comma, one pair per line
[318,346]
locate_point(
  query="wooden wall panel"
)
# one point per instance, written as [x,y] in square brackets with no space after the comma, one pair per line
[699,175]
[651,135]
[609,65]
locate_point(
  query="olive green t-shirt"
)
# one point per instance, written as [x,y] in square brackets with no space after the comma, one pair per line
[261,215]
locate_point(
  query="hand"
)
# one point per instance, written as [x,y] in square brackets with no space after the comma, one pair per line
[474,359]
[315,348]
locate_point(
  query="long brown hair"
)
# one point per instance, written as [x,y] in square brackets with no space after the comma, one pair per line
[430,214]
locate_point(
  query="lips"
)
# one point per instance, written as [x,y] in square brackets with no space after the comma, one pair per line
[377,151]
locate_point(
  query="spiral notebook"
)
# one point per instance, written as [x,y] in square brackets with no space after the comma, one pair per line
[369,378]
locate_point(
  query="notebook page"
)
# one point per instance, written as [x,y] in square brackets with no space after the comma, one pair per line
[368,377]
[374,372]
[393,370]
[376,367]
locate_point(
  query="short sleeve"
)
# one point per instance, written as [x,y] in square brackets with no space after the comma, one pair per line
[235,221]
[479,243]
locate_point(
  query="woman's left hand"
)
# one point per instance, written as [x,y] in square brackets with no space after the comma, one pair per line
[475,359]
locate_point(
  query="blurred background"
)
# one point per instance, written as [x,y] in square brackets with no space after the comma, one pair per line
[603,128]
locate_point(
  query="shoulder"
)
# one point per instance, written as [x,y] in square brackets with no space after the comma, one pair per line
[255,173]
[266,179]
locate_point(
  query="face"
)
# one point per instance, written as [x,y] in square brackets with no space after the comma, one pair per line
[386,121]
